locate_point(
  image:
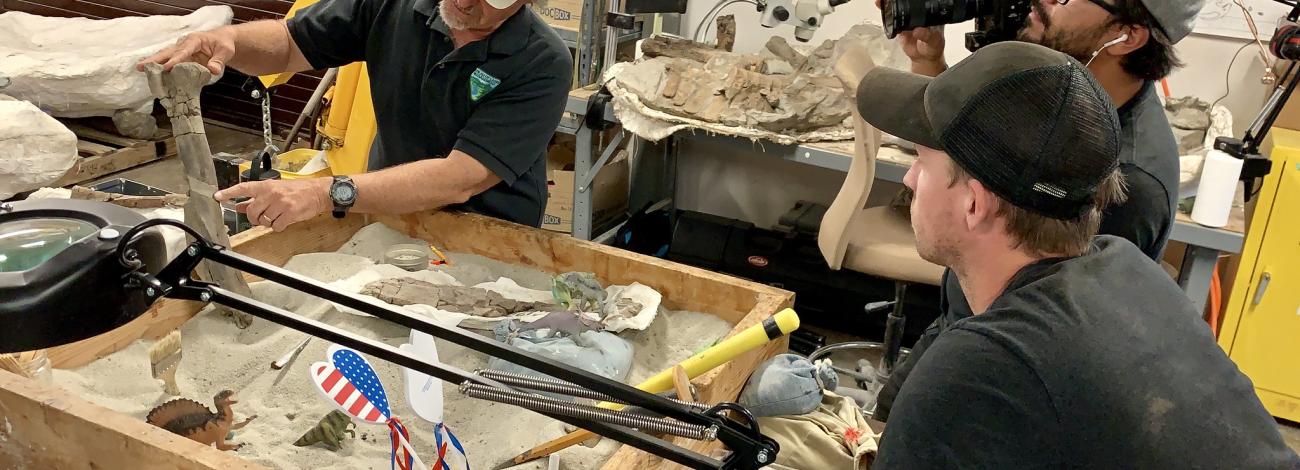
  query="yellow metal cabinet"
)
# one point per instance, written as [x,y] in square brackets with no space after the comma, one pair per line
[1261,328]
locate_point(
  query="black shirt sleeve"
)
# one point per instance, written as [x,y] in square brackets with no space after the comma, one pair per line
[509,129]
[970,403]
[333,33]
[1145,218]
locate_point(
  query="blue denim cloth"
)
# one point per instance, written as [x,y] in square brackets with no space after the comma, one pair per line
[787,385]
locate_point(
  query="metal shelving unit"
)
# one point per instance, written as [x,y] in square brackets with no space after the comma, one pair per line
[1204,244]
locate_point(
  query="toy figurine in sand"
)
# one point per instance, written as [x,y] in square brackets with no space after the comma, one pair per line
[329,431]
[578,291]
[191,419]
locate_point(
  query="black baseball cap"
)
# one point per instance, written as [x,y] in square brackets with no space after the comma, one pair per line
[1028,122]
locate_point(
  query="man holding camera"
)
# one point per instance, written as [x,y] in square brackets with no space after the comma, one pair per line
[1127,45]
[1080,353]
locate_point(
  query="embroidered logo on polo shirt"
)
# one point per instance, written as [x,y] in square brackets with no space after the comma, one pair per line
[480,83]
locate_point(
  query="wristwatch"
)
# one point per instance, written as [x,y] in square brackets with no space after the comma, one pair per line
[343,192]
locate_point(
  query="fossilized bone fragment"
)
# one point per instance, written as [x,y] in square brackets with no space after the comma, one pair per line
[178,91]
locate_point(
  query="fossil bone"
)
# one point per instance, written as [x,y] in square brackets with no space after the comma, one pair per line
[178,91]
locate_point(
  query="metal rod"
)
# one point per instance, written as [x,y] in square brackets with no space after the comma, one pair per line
[609,151]
[611,39]
[552,406]
[893,341]
[309,110]
[542,384]
[1271,111]
[443,372]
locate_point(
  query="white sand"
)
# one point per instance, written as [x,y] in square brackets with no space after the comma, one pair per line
[218,356]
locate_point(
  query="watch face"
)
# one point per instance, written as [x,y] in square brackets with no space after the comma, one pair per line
[343,193]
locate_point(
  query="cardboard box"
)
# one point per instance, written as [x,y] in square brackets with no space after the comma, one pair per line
[560,14]
[609,194]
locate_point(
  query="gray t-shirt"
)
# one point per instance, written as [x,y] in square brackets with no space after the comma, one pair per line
[1149,162]
[1098,361]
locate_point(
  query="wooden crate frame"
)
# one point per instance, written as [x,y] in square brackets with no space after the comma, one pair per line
[46,427]
[104,153]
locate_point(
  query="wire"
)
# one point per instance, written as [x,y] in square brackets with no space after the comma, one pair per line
[1254,31]
[1227,77]
[706,22]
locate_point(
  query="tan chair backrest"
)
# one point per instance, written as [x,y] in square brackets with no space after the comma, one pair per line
[833,235]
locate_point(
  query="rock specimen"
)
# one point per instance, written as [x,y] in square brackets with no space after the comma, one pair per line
[178,91]
[35,149]
[1190,119]
[782,90]
[79,67]
[467,300]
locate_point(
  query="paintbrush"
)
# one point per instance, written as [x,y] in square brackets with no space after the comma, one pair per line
[288,357]
[165,357]
[12,363]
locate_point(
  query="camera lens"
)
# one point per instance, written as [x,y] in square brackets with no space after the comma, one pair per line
[906,15]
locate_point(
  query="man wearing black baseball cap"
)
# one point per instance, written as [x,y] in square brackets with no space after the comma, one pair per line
[1127,45]
[1081,351]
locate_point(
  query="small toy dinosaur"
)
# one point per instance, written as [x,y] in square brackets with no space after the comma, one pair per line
[191,419]
[329,431]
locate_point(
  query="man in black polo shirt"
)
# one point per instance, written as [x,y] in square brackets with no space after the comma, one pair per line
[1081,353]
[467,94]
[1128,45]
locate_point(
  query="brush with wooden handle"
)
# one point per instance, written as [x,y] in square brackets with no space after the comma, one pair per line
[754,337]
[13,363]
[165,358]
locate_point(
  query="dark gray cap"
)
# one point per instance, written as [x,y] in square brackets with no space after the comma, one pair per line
[1028,122]
[1176,17]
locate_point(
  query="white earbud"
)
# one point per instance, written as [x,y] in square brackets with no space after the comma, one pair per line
[1121,38]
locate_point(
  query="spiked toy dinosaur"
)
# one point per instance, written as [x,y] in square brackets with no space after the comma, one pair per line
[191,419]
[330,431]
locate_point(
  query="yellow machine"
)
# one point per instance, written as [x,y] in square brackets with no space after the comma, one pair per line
[347,122]
[1261,325]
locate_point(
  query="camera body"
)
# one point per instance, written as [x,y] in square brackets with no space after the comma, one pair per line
[995,20]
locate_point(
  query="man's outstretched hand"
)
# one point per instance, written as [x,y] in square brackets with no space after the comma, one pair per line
[211,49]
[280,203]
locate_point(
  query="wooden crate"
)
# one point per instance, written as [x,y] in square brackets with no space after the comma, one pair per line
[104,153]
[49,428]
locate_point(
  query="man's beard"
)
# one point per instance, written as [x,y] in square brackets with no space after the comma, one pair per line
[449,16]
[1077,44]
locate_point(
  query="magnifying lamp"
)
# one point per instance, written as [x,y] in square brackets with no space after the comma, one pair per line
[60,280]
[70,270]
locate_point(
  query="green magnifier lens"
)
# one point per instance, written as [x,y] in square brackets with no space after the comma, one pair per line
[28,243]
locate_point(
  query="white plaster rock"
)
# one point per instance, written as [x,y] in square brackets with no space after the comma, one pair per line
[35,149]
[79,67]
